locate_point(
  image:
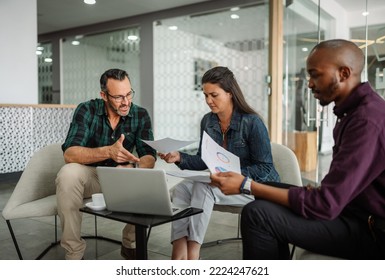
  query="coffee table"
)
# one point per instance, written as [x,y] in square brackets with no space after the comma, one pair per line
[143,224]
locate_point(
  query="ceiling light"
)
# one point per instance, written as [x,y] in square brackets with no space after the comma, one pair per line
[173,27]
[234,16]
[75,43]
[48,59]
[365,44]
[234,9]
[365,14]
[39,52]
[305,49]
[40,48]
[90,2]
[132,37]
[380,40]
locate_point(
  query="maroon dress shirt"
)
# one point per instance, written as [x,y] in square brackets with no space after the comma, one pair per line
[357,172]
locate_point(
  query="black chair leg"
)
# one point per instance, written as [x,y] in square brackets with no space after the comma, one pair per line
[292,252]
[56,242]
[14,239]
[220,241]
[53,244]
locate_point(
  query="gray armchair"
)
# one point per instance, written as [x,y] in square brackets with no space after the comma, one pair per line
[287,166]
[35,192]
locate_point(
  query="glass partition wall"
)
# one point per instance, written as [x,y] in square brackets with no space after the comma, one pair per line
[305,24]
[44,64]
[85,58]
[375,53]
[186,47]
[307,127]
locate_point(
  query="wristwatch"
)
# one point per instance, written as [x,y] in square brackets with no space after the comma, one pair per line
[246,187]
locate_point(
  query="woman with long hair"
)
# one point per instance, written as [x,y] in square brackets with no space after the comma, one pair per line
[235,126]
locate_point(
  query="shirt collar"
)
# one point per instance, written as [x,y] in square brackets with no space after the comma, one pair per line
[234,122]
[352,101]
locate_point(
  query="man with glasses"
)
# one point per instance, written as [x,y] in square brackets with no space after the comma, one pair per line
[103,132]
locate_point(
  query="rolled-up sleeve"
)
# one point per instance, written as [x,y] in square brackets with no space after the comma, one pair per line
[78,133]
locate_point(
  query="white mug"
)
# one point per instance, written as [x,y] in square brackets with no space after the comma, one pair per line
[98,199]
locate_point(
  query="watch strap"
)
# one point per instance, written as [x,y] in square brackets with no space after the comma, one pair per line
[246,186]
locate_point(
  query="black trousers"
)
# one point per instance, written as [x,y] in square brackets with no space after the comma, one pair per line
[267,229]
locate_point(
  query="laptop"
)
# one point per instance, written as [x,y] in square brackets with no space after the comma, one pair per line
[137,190]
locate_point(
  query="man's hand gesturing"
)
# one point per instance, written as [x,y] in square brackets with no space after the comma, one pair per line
[119,154]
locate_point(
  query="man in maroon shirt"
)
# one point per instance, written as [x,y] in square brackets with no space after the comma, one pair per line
[344,216]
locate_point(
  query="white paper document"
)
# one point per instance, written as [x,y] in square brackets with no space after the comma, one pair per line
[195,175]
[217,158]
[167,145]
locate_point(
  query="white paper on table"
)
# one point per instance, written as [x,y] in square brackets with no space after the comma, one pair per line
[217,158]
[167,145]
[195,175]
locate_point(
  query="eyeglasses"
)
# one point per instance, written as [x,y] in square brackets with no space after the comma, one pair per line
[119,98]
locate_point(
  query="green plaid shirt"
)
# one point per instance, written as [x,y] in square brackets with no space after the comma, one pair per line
[90,128]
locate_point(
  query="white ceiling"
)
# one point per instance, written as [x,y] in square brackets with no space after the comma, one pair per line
[359,5]
[56,15]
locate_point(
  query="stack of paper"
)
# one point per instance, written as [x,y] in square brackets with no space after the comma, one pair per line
[199,176]
[167,145]
[216,157]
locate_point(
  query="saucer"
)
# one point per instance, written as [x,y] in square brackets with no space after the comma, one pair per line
[95,207]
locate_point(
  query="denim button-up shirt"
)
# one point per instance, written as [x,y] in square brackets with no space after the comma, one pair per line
[247,137]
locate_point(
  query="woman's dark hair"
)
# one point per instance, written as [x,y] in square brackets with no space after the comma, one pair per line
[115,74]
[225,79]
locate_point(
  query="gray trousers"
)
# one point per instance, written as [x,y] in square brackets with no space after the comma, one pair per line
[74,183]
[203,196]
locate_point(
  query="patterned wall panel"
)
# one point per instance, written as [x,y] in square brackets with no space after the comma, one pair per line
[50,125]
[26,129]
[15,138]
